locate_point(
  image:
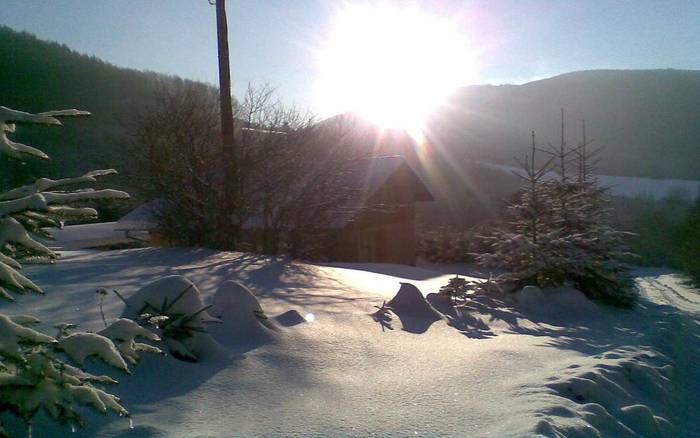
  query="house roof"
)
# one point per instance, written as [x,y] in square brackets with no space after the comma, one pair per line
[363,180]
[367,177]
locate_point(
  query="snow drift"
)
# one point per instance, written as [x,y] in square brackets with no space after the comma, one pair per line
[243,320]
[415,313]
[557,302]
[409,301]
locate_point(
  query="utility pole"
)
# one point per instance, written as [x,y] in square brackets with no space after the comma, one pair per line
[232,189]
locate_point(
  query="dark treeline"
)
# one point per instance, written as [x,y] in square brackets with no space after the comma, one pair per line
[666,231]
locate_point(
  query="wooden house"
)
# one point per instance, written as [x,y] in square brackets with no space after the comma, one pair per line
[376,224]
[379,224]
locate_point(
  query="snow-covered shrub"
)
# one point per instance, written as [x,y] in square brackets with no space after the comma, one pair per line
[244,323]
[557,232]
[35,369]
[174,307]
[123,332]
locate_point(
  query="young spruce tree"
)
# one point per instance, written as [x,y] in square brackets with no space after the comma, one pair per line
[557,230]
[39,372]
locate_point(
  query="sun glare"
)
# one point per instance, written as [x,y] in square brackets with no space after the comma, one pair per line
[393,66]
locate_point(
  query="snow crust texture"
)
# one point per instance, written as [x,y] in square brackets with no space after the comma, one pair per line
[539,363]
[642,387]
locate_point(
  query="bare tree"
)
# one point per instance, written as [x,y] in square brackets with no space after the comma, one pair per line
[180,162]
[290,175]
[292,164]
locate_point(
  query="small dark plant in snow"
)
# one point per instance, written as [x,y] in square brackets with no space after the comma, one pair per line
[383,316]
[458,288]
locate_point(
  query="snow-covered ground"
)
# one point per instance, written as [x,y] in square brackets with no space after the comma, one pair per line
[630,186]
[554,365]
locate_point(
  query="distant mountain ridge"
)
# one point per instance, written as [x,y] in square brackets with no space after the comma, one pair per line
[647,121]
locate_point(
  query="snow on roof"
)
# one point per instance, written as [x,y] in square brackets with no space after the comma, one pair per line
[73,237]
[142,218]
[367,177]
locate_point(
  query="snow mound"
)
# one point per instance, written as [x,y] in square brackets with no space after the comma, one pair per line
[178,298]
[409,301]
[531,297]
[289,318]
[243,320]
[556,302]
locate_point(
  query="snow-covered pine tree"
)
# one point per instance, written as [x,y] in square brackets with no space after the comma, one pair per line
[35,369]
[557,231]
[600,250]
[526,244]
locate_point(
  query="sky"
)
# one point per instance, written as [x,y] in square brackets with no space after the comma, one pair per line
[279,42]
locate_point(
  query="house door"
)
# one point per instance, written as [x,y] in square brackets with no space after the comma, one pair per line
[381,246]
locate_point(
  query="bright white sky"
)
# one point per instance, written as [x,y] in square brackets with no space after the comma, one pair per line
[282,42]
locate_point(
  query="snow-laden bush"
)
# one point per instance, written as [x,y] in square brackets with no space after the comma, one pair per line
[557,231]
[35,374]
[37,371]
[173,305]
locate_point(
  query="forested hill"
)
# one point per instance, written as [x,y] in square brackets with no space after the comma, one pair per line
[648,121]
[38,76]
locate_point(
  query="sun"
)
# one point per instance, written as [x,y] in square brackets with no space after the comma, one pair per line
[393,66]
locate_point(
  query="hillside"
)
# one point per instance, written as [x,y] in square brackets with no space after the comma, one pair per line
[638,116]
[39,75]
